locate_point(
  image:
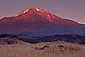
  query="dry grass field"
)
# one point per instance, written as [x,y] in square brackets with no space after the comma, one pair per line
[44,49]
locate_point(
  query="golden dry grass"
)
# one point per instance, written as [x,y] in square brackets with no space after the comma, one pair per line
[45,49]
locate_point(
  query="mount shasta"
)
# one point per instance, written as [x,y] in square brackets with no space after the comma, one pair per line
[38,22]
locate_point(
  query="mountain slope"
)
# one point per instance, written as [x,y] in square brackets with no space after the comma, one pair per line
[38,22]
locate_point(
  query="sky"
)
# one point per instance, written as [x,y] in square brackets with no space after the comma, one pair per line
[69,9]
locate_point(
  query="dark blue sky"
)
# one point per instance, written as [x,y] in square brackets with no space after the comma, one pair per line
[72,9]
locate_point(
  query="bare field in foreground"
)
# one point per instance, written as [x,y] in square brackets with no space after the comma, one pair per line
[44,49]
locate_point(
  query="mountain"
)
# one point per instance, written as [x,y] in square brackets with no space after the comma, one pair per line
[35,32]
[35,22]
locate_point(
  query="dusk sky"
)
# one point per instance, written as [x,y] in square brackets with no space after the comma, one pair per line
[70,9]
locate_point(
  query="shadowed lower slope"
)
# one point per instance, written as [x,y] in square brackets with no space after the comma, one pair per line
[14,39]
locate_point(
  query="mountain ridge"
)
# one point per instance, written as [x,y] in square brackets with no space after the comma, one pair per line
[40,22]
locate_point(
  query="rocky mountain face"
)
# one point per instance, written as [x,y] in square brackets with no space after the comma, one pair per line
[39,22]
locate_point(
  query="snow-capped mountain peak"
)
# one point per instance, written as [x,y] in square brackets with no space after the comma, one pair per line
[32,10]
[40,22]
